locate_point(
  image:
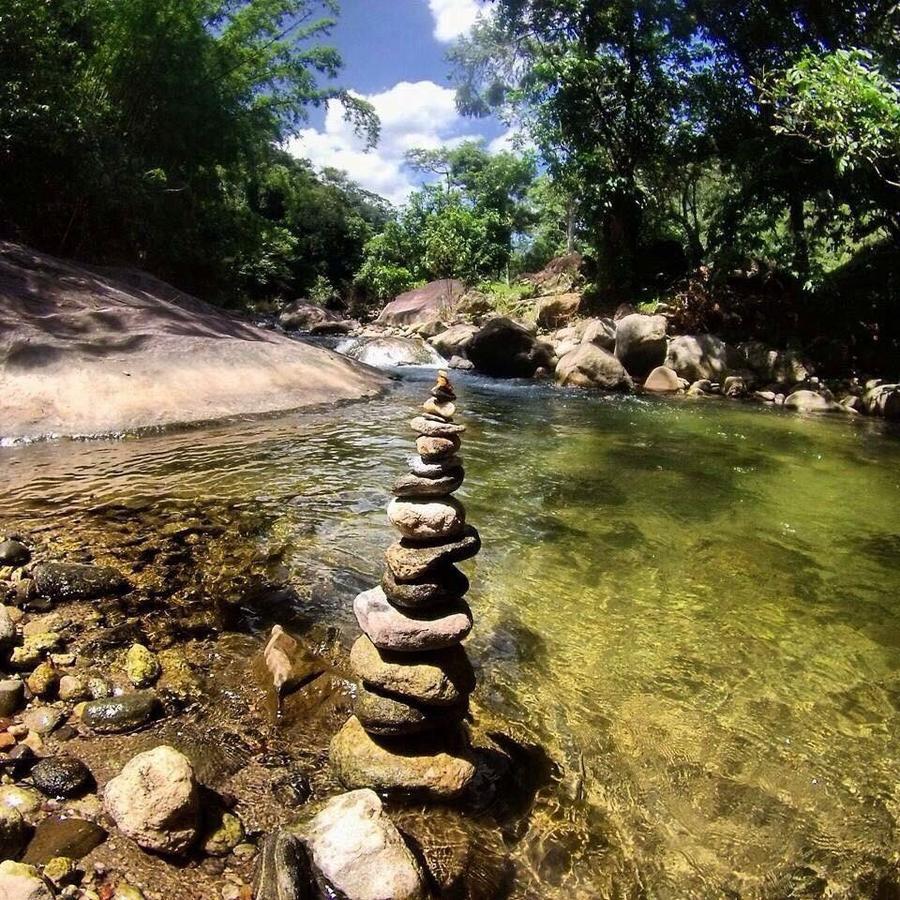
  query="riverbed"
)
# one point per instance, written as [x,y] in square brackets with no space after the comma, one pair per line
[691,606]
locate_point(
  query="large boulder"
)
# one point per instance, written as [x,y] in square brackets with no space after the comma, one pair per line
[359,853]
[454,341]
[601,332]
[590,366]
[560,276]
[504,349]
[701,356]
[811,401]
[641,342]
[155,801]
[774,366]
[883,400]
[555,311]
[663,380]
[387,352]
[435,300]
[302,315]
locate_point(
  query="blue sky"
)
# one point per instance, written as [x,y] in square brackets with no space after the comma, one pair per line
[394,54]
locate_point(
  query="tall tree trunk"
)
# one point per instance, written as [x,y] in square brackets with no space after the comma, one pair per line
[797,218]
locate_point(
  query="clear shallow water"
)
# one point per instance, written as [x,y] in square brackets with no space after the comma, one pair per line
[694,608]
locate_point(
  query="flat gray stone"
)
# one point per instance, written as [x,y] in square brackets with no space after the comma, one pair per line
[421,487]
[434,427]
[409,560]
[438,469]
[386,716]
[390,629]
[444,585]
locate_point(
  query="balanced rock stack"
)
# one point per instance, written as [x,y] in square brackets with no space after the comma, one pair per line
[415,678]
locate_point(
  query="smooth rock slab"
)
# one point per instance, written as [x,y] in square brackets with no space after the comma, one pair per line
[438,469]
[360,853]
[155,801]
[445,585]
[432,448]
[427,520]
[418,486]
[431,765]
[409,561]
[390,629]
[433,427]
[388,716]
[126,712]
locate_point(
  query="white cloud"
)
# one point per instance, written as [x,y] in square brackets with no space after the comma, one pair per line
[413,114]
[454,18]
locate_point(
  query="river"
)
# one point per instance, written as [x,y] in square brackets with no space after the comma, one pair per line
[692,606]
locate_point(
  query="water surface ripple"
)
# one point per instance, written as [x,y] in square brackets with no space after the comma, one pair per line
[693,607]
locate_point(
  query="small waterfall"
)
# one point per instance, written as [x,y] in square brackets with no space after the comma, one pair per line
[391,352]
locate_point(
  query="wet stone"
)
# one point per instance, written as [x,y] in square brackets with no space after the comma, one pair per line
[441,678]
[58,836]
[444,585]
[282,869]
[62,776]
[292,790]
[14,553]
[13,833]
[44,719]
[7,629]
[118,714]
[427,764]
[381,714]
[390,629]
[74,581]
[25,800]
[438,469]
[427,519]
[419,486]
[12,696]
[409,560]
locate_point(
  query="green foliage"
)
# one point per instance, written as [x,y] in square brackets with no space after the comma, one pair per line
[138,131]
[841,103]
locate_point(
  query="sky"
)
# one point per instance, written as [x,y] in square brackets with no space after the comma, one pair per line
[394,56]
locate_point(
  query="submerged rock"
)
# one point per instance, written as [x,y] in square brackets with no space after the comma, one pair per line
[13,832]
[282,869]
[14,553]
[359,852]
[439,769]
[155,801]
[61,776]
[117,714]
[141,666]
[58,836]
[73,581]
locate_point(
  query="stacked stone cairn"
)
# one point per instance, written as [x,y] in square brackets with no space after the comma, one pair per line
[407,733]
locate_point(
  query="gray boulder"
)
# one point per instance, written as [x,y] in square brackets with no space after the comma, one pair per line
[590,366]
[601,332]
[504,349]
[302,315]
[389,351]
[454,340]
[696,357]
[663,380]
[883,400]
[641,342]
[774,366]
[811,401]
[359,853]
